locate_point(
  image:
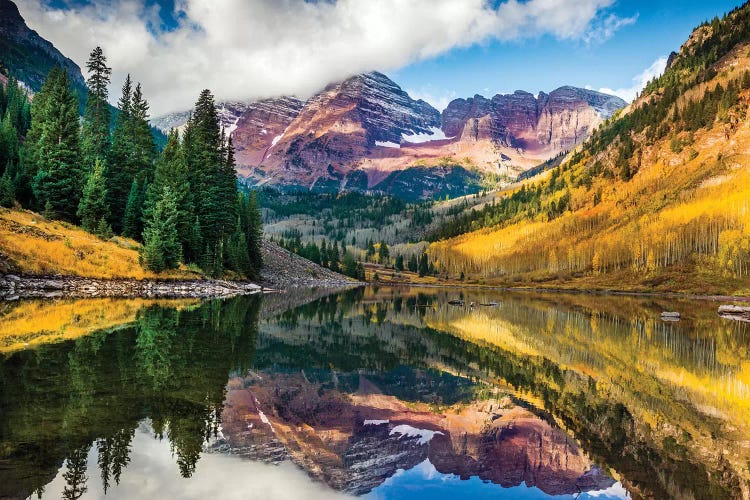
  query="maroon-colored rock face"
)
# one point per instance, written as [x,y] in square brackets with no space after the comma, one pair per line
[368,124]
[356,441]
[550,123]
[342,125]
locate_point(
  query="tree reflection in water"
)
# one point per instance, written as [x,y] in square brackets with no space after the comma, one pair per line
[663,405]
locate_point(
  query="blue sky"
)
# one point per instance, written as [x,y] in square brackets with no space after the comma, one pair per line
[545,63]
[435,49]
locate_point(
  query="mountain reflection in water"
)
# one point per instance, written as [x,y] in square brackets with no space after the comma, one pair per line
[387,393]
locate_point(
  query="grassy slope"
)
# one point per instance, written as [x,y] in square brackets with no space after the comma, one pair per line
[618,242]
[33,245]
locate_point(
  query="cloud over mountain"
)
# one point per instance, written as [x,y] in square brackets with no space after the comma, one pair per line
[248,49]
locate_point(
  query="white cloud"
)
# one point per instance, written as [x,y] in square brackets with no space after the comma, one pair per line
[639,81]
[246,49]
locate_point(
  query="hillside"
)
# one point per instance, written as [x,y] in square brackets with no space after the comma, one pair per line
[656,199]
[32,245]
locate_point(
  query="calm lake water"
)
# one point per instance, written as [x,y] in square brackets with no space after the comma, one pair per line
[379,393]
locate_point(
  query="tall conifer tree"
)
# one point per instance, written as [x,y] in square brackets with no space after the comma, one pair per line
[95,136]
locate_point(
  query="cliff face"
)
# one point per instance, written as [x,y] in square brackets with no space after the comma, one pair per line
[547,123]
[28,56]
[354,442]
[342,125]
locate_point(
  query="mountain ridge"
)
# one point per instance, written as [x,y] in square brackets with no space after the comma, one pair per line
[357,133]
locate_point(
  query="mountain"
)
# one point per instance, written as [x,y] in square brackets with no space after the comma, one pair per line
[29,57]
[366,133]
[656,199]
[528,126]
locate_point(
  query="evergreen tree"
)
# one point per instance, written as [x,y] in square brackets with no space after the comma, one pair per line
[213,178]
[161,245]
[171,170]
[132,222]
[59,175]
[413,264]
[95,137]
[133,151]
[384,252]
[424,267]
[7,190]
[237,252]
[333,256]
[253,230]
[399,263]
[93,206]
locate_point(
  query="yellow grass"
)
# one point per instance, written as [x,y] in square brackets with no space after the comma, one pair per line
[681,224]
[38,246]
[31,323]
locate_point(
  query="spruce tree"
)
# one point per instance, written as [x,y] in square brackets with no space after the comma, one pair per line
[133,151]
[207,164]
[7,190]
[118,180]
[132,223]
[95,137]
[424,267]
[161,245]
[59,175]
[93,206]
[171,170]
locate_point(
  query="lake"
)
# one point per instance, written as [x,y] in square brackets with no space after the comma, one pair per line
[381,393]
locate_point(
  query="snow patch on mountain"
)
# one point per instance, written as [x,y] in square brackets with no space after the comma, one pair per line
[387,144]
[435,134]
[276,139]
[376,422]
[424,435]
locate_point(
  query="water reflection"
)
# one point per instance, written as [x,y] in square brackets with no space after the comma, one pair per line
[386,392]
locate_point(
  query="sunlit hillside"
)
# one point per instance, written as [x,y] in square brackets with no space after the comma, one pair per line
[35,245]
[658,198]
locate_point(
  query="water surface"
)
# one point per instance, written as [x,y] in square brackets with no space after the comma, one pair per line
[381,393]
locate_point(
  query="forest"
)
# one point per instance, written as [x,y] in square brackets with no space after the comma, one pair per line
[659,187]
[106,173]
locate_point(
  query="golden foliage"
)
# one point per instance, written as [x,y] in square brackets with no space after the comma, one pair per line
[39,246]
[677,210]
[34,322]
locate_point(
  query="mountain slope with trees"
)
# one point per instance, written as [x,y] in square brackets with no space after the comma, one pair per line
[182,204]
[657,198]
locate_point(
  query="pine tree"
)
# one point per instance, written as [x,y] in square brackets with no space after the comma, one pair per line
[399,263]
[384,252]
[132,226]
[7,190]
[254,233]
[59,175]
[119,180]
[424,268]
[95,137]
[161,245]
[171,170]
[237,252]
[93,206]
[207,162]
[413,264]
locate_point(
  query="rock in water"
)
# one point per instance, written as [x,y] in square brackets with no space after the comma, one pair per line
[736,313]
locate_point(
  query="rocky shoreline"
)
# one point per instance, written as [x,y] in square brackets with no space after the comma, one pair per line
[283,271]
[13,287]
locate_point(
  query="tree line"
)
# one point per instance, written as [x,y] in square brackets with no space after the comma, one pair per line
[182,203]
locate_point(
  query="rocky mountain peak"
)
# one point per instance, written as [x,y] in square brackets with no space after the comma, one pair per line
[28,56]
